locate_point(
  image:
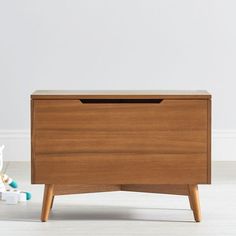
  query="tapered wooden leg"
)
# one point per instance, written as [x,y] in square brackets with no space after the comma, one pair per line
[47,201]
[194,201]
[190,202]
[190,190]
[52,202]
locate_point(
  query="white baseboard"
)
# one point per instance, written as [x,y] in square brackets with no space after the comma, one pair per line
[17,144]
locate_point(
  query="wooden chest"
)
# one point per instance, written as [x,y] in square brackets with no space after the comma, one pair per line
[152,141]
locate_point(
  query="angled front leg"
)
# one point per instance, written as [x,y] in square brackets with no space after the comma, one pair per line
[194,202]
[190,202]
[47,201]
[52,202]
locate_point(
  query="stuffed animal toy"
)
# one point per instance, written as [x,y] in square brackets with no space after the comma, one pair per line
[11,196]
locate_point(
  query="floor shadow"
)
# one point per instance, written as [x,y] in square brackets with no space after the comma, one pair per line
[62,212]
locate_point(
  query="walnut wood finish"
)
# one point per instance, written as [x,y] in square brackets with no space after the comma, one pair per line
[194,202]
[177,189]
[78,94]
[115,136]
[52,201]
[209,141]
[190,200]
[162,146]
[83,188]
[116,168]
[47,201]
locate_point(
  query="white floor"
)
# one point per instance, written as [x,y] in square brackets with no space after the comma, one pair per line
[124,213]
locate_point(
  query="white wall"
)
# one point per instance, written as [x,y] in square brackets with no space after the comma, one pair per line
[111,44]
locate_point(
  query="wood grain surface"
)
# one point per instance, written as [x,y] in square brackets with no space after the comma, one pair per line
[120,168]
[126,143]
[78,94]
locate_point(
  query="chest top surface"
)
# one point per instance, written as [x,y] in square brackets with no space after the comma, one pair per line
[163,94]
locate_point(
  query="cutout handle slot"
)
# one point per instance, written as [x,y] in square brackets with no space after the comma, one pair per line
[111,101]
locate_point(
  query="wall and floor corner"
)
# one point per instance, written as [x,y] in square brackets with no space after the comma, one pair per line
[129,45]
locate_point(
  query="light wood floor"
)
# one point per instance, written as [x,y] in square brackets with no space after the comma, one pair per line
[125,213]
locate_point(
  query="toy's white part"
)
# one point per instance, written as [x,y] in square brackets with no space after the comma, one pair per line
[5,194]
[1,158]
[11,192]
[4,177]
[22,197]
[12,199]
[7,179]
[2,187]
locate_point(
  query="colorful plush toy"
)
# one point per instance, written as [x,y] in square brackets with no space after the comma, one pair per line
[12,196]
